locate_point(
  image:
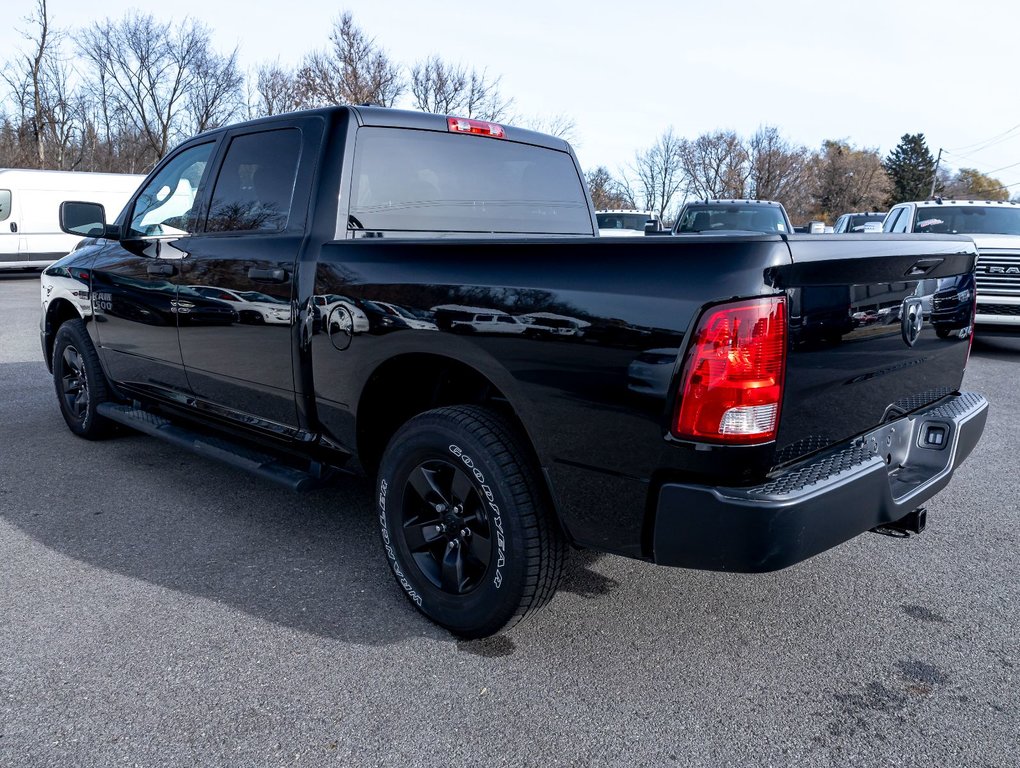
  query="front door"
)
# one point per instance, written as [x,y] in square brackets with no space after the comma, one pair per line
[135,280]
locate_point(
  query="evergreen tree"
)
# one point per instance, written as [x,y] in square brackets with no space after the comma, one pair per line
[911,169]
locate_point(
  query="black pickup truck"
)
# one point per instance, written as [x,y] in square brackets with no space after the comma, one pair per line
[425,300]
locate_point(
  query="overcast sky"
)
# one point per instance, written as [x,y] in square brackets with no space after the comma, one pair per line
[624,72]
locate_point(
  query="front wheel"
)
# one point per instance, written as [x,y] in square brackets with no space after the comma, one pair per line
[80,382]
[465,525]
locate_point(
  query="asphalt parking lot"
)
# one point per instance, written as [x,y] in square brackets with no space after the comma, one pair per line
[159,610]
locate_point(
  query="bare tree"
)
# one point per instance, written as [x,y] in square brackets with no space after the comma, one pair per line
[847,179]
[27,80]
[355,71]
[660,175]
[561,126]
[215,96]
[715,165]
[776,167]
[607,191]
[147,70]
[437,86]
[275,91]
[444,88]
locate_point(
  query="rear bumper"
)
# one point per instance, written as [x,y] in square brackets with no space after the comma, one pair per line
[813,506]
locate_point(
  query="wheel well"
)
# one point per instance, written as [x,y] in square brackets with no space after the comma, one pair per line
[405,386]
[57,313]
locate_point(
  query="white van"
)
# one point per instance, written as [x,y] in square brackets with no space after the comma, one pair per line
[30,235]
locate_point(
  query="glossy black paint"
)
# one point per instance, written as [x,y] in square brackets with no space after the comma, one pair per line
[596,404]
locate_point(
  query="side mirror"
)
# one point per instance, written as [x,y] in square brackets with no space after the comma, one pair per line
[651,226]
[83,219]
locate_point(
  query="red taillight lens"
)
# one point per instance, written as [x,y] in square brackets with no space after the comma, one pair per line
[732,384]
[477,127]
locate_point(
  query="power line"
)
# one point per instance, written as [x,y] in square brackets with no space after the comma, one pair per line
[978,165]
[976,146]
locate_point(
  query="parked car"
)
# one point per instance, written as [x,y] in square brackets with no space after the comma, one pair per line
[251,306]
[412,320]
[995,228]
[627,222]
[550,325]
[849,223]
[461,319]
[722,216]
[492,452]
[30,200]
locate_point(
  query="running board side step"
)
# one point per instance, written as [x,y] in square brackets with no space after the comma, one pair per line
[257,463]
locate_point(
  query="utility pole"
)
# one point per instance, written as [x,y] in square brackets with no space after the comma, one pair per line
[935,175]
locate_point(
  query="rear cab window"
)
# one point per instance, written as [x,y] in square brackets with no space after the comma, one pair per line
[409,181]
[5,204]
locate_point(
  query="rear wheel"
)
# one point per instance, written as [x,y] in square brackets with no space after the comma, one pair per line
[465,525]
[80,382]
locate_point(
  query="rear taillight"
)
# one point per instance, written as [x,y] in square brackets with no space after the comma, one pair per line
[732,383]
[477,127]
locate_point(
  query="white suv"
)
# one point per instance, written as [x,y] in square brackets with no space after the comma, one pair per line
[995,228]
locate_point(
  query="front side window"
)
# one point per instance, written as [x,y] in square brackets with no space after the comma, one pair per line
[902,224]
[5,204]
[166,204]
[255,185]
[427,181]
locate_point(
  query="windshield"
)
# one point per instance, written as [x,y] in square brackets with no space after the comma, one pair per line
[622,221]
[856,223]
[751,218]
[968,220]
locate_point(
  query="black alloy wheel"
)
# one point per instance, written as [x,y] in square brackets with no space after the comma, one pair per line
[467,527]
[80,382]
[445,526]
[74,383]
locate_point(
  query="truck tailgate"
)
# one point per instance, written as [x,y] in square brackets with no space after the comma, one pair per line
[865,346]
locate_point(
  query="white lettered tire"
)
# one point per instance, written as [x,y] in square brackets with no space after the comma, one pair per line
[465,524]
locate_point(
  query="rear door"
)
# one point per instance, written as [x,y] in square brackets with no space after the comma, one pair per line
[249,245]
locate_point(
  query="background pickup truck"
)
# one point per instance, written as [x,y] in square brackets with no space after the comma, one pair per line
[688,416]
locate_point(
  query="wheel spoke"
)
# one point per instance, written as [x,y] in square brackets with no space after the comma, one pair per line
[479,549]
[71,384]
[421,536]
[453,570]
[461,487]
[71,359]
[424,483]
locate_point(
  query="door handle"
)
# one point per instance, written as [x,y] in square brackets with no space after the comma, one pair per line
[159,268]
[267,275]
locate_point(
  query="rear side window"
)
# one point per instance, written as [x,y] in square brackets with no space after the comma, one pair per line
[424,181]
[5,204]
[255,184]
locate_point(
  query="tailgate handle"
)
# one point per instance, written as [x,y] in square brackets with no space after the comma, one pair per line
[923,267]
[268,275]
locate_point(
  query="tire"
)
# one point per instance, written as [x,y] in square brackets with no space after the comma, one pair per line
[942,333]
[466,528]
[80,382]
